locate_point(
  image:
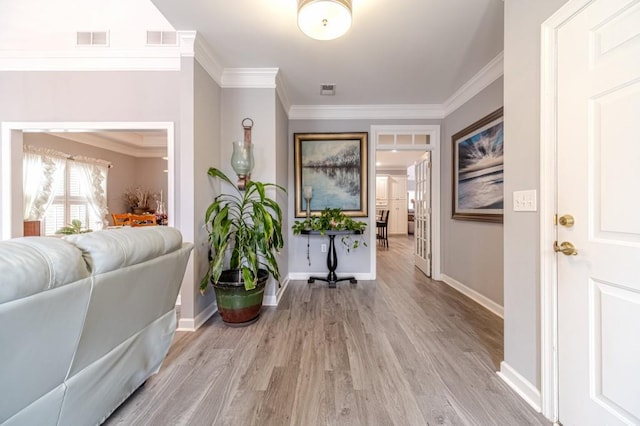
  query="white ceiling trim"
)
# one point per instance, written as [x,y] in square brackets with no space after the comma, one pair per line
[365,112]
[187,43]
[207,59]
[249,78]
[92,59]
[487,75]
[281,90]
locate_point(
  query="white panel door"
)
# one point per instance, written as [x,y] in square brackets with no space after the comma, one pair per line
[422,216]
[598,186]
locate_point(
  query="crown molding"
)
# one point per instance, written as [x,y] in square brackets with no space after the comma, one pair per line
[207,59]
[249,78]
[365,112]
[487,75]
[134,147]
[187,43]
[92,59]
[281,91]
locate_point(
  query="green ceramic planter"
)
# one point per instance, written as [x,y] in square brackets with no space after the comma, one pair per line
[236,305]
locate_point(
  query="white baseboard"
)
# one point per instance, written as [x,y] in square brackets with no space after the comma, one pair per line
[474,295]
[521,386]
[270,301]
[273,300]
[192,324]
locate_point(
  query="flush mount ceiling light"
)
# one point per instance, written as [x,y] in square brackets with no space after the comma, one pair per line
[324,19]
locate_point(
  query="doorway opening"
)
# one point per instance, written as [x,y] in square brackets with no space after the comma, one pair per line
[14,136]
[404,153]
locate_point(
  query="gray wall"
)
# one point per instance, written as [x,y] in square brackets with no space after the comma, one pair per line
[89,96]
[522,159]
[260,106]
[207,129]
[471,251]
[150,173]
[282,177]
[359,261]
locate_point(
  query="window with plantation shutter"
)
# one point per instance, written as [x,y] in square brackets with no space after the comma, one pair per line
[70,203]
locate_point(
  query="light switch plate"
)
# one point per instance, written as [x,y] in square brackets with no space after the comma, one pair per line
[525,201]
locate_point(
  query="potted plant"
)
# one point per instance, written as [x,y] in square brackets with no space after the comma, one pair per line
[245,233]
[138,199]
[333,220]
[74,228]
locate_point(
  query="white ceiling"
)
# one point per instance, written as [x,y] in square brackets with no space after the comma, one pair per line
[396,53]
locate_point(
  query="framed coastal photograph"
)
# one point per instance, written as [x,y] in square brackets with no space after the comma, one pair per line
[331,170]
[478,170]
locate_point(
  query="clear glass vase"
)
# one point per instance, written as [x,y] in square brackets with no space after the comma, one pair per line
[242,158]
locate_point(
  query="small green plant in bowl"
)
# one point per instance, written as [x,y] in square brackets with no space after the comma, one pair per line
[74,228]
[334,220]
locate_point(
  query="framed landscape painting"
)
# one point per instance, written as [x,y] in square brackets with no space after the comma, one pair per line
[478,170]
[332,168]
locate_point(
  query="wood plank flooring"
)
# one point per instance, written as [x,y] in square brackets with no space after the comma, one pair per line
[400,350]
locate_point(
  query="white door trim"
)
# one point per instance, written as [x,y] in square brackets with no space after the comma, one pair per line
[433,130]
[11,154]
[548,203]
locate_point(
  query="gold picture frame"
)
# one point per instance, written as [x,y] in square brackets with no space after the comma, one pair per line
[333,167]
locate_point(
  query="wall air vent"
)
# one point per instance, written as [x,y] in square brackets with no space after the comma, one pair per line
[162,38]
[327,89]
[92,38]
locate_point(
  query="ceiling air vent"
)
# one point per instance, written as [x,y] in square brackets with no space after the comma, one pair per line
[327,89]
[162,38]
[92,38]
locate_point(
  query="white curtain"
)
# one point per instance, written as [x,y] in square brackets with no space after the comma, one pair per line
[41,168]
[94,184]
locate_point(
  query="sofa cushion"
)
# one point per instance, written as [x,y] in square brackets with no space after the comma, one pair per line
[115,248]
[33,264]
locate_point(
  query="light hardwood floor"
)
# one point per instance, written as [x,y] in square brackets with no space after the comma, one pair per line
[400,350]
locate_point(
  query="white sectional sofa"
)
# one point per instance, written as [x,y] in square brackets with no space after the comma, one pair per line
[84,321]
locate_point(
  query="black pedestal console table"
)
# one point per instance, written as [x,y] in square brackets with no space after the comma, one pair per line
[332,259]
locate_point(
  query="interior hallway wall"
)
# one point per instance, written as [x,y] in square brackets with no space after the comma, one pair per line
[471,251]
[523,21]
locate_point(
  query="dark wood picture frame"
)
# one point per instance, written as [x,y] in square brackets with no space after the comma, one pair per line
[335,166]
[478,170]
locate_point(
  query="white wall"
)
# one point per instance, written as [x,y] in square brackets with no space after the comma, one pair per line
[522,159]
[471,251]
[43,25]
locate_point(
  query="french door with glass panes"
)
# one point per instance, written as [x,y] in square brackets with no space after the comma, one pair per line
[422,217]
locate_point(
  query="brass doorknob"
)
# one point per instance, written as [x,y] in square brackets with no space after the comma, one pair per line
[566,220]
[565,248]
